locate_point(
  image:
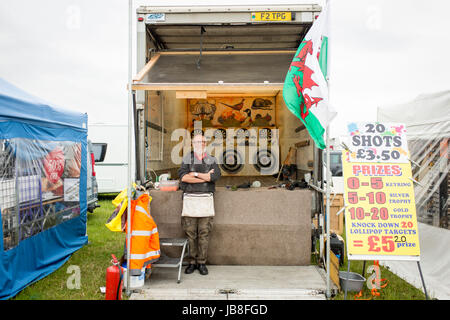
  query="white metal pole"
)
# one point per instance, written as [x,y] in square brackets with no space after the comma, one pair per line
[130,132]
[328,155]
[328,208]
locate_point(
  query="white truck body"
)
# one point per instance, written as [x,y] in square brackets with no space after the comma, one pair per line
[188,55]
[240,51]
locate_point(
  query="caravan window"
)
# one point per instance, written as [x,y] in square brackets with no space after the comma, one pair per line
[99,150]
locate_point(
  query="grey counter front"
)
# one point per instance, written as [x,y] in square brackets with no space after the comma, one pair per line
[251,226]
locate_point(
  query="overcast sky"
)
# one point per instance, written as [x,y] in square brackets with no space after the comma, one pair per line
[74,53]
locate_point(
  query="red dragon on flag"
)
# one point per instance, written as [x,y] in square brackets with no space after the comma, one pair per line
[308,82]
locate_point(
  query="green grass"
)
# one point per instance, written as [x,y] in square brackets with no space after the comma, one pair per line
[396,289]
[92,259]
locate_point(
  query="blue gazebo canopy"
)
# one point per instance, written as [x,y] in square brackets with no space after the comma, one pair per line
[18,104]
[30,128]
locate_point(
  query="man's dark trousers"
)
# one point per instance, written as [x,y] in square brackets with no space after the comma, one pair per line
[197,231]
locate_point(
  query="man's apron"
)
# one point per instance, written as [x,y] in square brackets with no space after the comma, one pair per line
[198,205]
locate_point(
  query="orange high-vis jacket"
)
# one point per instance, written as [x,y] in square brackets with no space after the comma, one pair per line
[144,248]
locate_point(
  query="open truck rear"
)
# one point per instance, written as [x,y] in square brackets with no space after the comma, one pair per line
[221,69]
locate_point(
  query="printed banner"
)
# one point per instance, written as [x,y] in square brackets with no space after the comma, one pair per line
[380,217]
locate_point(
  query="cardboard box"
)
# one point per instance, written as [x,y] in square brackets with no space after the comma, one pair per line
[336,222]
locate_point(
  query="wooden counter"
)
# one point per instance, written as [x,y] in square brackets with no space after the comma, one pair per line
[256,226]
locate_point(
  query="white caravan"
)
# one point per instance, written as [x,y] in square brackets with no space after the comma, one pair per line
[110,146]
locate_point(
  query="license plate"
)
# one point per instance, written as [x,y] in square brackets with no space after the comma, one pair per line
[152,17]
[271,16]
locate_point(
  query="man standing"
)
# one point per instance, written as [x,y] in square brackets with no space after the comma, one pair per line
[198,174]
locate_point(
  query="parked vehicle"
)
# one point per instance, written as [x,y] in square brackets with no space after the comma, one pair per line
[337,185]
[110,147]
[92,186]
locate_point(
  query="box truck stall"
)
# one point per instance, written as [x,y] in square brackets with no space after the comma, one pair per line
[220,70]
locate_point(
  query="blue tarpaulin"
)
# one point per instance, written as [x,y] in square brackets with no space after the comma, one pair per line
[43,179]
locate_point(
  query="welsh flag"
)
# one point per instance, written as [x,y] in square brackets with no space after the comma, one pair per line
[305,89]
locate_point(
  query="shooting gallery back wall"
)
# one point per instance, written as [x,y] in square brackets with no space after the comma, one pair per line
[287,123]
[165,113]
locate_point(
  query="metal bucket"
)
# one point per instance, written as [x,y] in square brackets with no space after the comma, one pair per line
[352,282]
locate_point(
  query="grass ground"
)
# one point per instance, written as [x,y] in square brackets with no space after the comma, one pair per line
[94,258]
[396,288]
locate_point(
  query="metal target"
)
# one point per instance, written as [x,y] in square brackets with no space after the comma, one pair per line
[265,160]
[231,161]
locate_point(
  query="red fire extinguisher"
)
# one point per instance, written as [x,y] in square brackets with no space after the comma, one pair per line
[114,277]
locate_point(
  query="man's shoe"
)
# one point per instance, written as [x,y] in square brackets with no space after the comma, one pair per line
[202,269]
[190,268]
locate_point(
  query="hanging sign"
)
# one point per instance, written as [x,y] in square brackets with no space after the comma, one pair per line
[380,218]
[378,142]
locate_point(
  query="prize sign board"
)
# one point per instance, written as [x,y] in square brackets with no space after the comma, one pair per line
[380,217]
